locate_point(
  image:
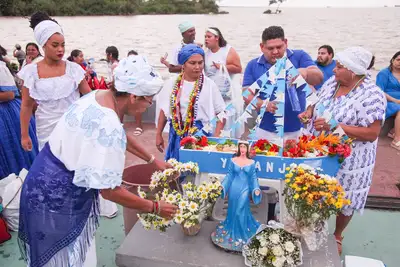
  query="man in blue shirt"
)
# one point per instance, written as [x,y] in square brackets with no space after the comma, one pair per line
[325,63]
[273,47]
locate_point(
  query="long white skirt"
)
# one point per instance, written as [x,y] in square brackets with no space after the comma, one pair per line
[107,208]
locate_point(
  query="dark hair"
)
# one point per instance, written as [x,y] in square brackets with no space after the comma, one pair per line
[74,53]
[328,48]
[237,154]
[221,41]
[391,61]
[132,52]
[372,63]
[113,51]
[38,17]
[3,51]
[35,45]
[273,32]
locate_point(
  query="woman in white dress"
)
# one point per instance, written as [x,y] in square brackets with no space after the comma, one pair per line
[53,83]
[85,156]
[188,101]
[223,66]
[358,105]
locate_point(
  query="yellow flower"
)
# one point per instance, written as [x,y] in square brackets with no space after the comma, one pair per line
[296,196]
[339,204]
[305,188]
[289,175]
[287,181]
[288,168]
[203,196]
[320,181]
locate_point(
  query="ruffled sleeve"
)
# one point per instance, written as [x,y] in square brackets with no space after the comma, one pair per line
[29,75]
[91,141]
[164,97]
[75,71]
[7,82]
[373,107]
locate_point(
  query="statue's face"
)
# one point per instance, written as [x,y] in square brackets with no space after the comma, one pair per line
[243,149]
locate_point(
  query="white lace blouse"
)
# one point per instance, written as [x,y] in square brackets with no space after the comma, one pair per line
[90,140]
[53,95]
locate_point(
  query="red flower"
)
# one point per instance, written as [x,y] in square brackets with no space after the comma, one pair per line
[188,142]
[203,142]
[343,150]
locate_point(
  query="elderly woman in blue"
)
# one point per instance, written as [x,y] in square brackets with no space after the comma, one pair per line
[85,156]
[388,80]
[189,101]
[12,157]
[239,185]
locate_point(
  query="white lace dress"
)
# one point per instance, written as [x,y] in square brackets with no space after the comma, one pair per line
[53,95]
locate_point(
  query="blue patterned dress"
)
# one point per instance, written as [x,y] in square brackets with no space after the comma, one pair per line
[59,198]
[12,157]
[361,107]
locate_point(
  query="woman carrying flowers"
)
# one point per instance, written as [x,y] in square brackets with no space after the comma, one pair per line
[358,105]
[188,102]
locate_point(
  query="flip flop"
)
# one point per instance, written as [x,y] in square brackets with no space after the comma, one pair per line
[395,145]
[391,135]
[339,241]
[138,131]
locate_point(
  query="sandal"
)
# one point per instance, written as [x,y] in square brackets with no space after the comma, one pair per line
[138,131]
[391,135]
[395,145]
[339,241]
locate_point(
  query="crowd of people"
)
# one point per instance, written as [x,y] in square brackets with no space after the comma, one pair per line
[72,141]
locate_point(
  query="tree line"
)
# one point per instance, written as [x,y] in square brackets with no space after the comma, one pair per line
[106,7]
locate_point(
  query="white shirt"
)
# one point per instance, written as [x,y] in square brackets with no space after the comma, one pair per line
[210,100]
[90,140]
[221,79]
[53,95]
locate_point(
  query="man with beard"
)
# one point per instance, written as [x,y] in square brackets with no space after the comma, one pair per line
[188,32]
[325,63]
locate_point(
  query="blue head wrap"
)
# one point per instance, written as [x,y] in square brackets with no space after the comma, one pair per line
[187,51]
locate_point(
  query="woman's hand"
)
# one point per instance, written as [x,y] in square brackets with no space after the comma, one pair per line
[160,143]
[28,60]
[216,65]
[320,125]
[162,165]
[26,143]
[167,210]
[306,116]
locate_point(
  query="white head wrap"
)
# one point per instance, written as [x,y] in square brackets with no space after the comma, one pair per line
[212,31]
[355,59]
[135,75]
[184,26]
[44,30]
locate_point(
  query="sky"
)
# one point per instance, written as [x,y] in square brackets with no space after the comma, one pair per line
[314,3]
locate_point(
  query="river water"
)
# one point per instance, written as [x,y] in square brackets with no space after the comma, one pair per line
[153,35]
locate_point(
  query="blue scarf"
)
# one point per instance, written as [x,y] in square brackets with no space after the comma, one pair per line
[55,214]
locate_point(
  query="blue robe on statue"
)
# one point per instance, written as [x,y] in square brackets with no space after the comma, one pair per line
[391,86]
[239,184]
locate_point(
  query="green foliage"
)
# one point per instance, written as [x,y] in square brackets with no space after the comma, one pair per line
[106,7]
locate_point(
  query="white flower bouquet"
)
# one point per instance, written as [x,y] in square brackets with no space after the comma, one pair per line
[193,201]
[272,246]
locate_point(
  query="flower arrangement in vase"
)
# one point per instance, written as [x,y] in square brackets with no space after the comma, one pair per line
[193,201]
[311,197]
[272,246]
